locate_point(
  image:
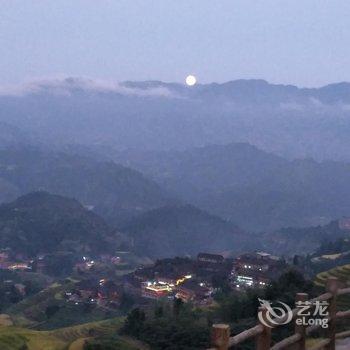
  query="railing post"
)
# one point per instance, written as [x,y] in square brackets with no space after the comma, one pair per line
[263,340]
[332,287]
[220,336]
[300,328]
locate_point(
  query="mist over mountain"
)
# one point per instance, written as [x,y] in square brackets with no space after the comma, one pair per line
[156,192]
[11,136]
[183,230]
[111,190]
[305,240]
[284,119]
[163,130]
[255,189]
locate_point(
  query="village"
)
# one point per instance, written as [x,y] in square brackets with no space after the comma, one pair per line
[197,280]
[191,280]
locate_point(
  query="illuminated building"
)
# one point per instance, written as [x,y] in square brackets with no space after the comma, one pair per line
[155,290]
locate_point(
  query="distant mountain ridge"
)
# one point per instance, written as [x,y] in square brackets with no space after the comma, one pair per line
[283,119]
[255,189]
[111,190]
[305,240]
[242,90]
[253,90]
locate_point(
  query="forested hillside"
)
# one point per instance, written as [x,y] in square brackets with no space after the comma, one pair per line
[111,190]
[43,223]
[181,230]
[255,189]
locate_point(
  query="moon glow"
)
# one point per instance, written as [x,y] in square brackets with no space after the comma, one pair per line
[191,80]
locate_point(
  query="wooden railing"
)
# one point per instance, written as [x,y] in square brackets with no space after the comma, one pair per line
[221,339]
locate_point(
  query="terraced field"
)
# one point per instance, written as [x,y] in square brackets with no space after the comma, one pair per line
[343,274]
[92,329]
[31,310]
[14,338]
[5,320]
[343,302]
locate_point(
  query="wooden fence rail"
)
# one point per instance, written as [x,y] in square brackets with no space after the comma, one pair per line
[221,339]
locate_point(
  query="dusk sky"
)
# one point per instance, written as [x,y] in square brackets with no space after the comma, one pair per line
[289,41]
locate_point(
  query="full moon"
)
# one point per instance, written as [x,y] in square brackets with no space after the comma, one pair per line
[191,80]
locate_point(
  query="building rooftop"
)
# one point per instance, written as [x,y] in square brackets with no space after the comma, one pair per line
[210,257]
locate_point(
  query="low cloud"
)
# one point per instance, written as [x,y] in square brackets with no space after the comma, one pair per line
[67,86]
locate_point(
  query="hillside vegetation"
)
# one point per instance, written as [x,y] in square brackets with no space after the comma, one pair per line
[43,223]
[181,230]
[14,338]
[343,274]
[114,191]
[255,189]
[304,240]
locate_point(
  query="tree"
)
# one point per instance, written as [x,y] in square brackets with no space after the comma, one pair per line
[51,310]
[134,323]
[177,307]
[159,312]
